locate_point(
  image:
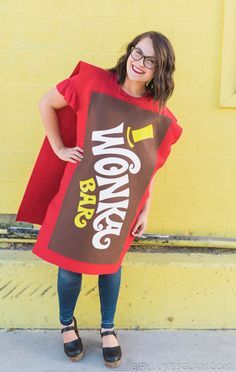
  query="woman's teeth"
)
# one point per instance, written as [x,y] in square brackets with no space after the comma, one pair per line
[136,70]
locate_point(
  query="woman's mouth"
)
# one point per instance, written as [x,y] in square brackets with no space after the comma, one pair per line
[137,70]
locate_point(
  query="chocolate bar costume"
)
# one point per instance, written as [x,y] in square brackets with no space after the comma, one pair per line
[87,209]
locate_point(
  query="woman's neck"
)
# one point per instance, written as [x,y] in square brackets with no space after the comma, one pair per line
[134,88]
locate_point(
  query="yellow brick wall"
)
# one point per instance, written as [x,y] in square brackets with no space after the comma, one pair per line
[41,43]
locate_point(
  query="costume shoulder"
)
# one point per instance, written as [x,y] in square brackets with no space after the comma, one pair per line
[83,77]
[86,74]
[175,128]
[83,67]
[173,134]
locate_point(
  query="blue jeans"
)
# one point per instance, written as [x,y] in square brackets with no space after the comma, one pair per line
[68,288]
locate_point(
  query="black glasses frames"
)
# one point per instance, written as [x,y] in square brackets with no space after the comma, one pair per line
[148,61]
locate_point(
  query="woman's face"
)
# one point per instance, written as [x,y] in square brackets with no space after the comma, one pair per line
[136,70]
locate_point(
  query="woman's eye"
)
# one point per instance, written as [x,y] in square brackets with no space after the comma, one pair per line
[138,51]
[151,61]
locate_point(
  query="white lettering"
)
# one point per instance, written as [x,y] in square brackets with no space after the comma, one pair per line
[107,169]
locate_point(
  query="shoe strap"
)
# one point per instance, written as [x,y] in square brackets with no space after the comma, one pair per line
[113,332]
[71,327]
[68,328]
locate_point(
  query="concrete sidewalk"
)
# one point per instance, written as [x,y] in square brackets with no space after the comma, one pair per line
[143,350]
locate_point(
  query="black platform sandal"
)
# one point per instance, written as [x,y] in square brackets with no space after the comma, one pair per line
[73,349]
[112,355]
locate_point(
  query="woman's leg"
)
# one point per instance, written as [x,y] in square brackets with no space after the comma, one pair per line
[68,287]
[109,285]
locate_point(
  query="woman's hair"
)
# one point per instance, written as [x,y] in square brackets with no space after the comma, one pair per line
[161,86]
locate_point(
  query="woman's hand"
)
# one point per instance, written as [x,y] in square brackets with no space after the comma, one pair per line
[141,224]
[70,153]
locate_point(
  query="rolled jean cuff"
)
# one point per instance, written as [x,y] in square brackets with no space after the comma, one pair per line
[110,325]
[66,322]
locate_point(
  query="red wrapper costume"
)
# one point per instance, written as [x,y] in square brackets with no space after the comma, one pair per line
[87,209]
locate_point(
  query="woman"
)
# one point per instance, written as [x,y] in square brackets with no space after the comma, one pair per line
[124,135]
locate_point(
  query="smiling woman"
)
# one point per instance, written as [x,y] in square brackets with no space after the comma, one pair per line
[138,68]
[147,67]
[108,132]
[137,54]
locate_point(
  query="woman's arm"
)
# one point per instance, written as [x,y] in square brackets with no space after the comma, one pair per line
[141,222]
[47,105]
[147,204]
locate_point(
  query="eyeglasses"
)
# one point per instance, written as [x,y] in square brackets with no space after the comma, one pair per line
[148,62]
